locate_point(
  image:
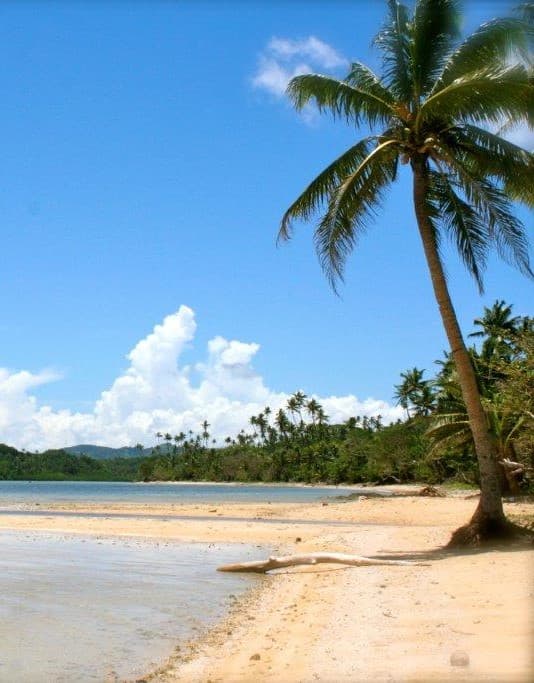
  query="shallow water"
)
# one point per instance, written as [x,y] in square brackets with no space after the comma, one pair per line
[89,609]
[124,492]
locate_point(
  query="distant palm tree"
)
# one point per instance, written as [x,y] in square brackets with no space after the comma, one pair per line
[432,108]
[313,407]
[414,392]
[296,403]
[205,433]
[253,421]
[292,406]
[262,424]
[282,423]
[497,326]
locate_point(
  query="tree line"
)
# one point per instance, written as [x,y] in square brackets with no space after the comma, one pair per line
[298,443]
[58,465]
[432,443]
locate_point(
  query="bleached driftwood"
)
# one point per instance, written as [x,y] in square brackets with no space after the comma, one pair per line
[262,566]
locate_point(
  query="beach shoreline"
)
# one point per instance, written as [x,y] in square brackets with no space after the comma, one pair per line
[331,623]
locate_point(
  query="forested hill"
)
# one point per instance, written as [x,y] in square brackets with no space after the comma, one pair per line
[106,453]
[54,465]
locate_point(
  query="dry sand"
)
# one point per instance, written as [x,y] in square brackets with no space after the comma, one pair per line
[336,624]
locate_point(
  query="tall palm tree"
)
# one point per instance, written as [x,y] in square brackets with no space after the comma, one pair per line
[431,110]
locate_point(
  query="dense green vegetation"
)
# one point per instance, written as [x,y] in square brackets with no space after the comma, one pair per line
[294,447]
[297,450]
[54,465]
[505,376]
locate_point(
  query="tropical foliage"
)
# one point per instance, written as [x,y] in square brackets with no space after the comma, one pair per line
[57,464]
[297,444]
[505,372]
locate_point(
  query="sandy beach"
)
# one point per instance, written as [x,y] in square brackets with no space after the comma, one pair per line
[458,617]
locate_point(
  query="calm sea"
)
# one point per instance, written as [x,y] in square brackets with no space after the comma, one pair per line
[89,609]
[27,492]
[84,609]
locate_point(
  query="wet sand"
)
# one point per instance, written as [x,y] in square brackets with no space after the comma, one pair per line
[331,623]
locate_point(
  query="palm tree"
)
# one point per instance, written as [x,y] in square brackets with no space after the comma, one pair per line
[253,421]
[262,424]
[282,422]
[498,327]
[414,392]
[313,407]
[205,433]
[431,110]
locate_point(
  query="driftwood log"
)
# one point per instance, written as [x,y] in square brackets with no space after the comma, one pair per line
[262,566]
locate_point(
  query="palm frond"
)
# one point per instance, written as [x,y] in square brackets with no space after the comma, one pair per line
[448,422]
[494,207]
[394,42]
[491,96]
[489,46]
[435,26]
[318,191]
[450,429]
[340,98]
[511,158]
[362,78]
[463,223]
[352,206]
[493,156]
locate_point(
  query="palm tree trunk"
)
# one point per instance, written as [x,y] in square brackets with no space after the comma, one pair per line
[489,516]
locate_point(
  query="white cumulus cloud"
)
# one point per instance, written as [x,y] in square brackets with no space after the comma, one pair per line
[283,59]
[157,394]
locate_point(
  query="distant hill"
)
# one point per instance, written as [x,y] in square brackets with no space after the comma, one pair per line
[106,453]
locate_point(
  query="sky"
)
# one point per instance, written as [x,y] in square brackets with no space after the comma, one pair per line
[148,154]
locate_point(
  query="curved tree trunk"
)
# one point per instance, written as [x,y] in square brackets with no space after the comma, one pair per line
[488,520]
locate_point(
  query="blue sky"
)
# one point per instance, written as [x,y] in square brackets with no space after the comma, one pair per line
[147,158]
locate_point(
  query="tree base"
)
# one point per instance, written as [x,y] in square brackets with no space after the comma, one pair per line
[482,530]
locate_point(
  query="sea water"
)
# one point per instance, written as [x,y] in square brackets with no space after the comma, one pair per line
[87,609]
[83,609]
[27,492]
